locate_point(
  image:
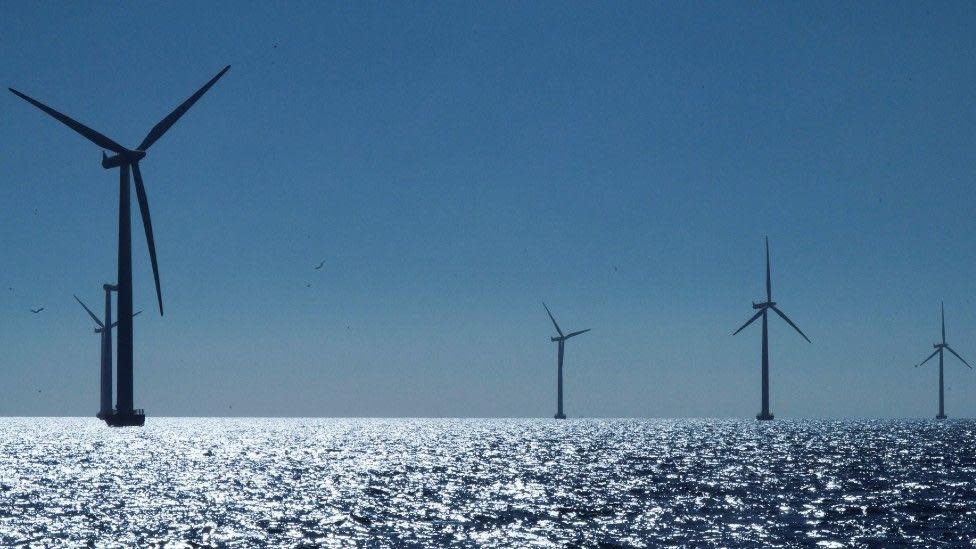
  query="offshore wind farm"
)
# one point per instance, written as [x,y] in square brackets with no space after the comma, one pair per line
[126,160]
[356,227]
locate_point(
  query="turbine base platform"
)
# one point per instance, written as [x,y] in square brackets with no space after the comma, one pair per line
[765,417]
[941,416]
[135,418]
[560,416]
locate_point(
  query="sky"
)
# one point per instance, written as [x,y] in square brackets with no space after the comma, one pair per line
[455,164]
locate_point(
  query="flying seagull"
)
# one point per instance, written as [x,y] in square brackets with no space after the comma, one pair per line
[561,340]
[762,311]
[35,311]
[320,265]
[940,349]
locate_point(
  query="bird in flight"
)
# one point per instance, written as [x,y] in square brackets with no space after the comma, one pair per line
[35,311]
[320,265]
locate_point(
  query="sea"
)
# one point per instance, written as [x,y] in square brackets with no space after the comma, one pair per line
[244,482]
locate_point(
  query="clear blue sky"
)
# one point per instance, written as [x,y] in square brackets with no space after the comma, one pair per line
[455,164]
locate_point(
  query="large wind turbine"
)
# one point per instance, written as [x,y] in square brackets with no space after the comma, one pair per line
[104,329]
[128,160]
[561,340]
[763,310]
[940,348]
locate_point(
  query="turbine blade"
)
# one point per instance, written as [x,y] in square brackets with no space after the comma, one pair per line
[147,224]
[552,319]
[943,321]
[959,357]
[769,285]
[116,323]
[165,124]
[577,333]
[90,313]
[85,131]
[750,321]
[795,327]
[928,359]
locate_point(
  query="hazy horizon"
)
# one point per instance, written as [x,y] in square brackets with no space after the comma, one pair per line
[456,166]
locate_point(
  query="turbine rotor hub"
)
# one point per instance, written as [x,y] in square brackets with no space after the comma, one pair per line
[127,157]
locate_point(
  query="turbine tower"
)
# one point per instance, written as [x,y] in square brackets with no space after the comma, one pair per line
[561,340]
[762,311]
[105,330]
[128,160]
[940,349]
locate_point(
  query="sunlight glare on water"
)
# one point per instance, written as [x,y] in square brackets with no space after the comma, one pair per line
[611,483]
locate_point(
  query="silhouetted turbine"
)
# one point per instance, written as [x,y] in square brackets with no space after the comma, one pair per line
[940,348]
[105,381]
[126,160]
[561,340]
[763,310]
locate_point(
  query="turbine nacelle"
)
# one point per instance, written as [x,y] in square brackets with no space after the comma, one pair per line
[764,305]
[567,336]
[128,157]
[939,345]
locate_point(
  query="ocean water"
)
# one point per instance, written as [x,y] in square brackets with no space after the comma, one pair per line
[514,483]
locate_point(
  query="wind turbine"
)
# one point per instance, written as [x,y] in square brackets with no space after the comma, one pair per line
[940,349]
[561,340]
[105,384]
[762,311]
[128,160]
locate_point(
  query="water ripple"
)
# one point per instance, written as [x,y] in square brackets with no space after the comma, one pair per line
[595,483]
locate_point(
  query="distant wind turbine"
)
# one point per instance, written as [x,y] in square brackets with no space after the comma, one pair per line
[940,348]
[128,160]
[105,382]
[561,340]
[763,310]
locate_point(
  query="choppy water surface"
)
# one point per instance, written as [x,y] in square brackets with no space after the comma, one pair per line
[246,482]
